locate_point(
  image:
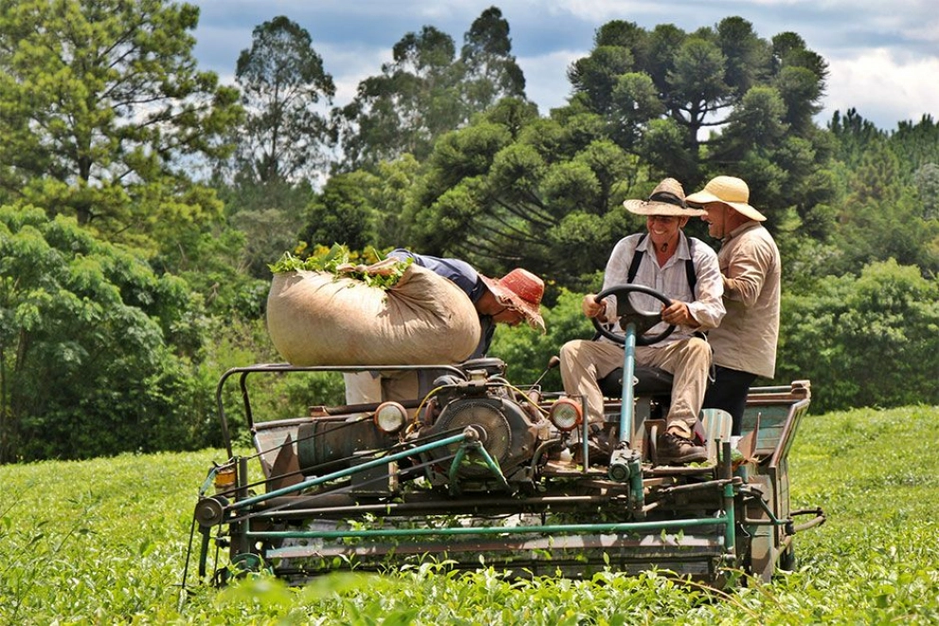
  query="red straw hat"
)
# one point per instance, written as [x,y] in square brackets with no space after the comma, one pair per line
[521,290]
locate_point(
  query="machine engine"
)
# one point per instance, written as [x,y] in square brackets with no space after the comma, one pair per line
[506,426]
[506,423]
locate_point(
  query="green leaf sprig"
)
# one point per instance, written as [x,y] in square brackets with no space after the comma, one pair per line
[340,262]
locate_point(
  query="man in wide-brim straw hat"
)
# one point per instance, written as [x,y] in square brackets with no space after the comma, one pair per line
[686,271]
[745,343]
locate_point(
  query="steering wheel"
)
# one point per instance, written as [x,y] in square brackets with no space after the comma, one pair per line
[627,313]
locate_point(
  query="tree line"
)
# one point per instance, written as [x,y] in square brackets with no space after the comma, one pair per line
[142,201]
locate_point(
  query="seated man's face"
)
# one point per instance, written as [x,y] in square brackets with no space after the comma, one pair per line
[663,228]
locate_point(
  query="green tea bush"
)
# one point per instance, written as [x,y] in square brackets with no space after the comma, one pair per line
[104,541]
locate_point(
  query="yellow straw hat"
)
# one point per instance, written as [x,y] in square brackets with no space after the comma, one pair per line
[728,190]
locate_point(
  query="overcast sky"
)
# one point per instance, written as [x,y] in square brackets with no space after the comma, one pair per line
[883,55]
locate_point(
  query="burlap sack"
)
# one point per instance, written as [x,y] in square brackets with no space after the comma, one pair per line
[316,319]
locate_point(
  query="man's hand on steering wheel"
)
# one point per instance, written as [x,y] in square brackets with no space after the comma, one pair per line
[591,306]
[678,314]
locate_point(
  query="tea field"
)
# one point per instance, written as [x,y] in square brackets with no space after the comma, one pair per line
[104,542]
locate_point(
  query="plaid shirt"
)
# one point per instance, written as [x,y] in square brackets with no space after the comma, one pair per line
[671,280]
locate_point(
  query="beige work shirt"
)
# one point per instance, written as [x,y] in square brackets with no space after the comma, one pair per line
[747,336]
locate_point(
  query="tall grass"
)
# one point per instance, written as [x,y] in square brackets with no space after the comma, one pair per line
[103,542]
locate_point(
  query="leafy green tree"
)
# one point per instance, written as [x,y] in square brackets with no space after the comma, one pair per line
[635,103]
[489,70]
[105,115]
[396,180]
[86,363]
[427,91]
[799,74]
[266,185]
[757,123]
[916,145]
[747,58]
[596,76]
[513,189]
[864,341]
[282,82]
[404,108]
[267,217]
[882,218]
[342,213]
[854,135]
[362,209]
[926,180]
[886,207]
[695,88]
[661,89]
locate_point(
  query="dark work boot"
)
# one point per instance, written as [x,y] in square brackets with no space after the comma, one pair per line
[604,437]
[677,446]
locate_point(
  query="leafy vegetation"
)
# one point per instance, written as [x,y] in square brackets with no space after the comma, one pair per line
[282,80]
[142,203]
[338,261]
[843,335]
[91,330]
[104,541]
[104,113]
[426,91]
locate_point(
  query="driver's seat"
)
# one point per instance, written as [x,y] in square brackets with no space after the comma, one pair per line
[651,382]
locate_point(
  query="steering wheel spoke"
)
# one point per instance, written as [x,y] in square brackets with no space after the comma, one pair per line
[627,313]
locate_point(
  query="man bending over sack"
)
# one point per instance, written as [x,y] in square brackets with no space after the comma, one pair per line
[508,300]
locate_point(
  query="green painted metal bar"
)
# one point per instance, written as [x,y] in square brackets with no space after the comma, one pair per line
[492,465]
[620,527]
[730,539]
[313,482]
[209,480]
[773,520]
[455,467]
[487,458]
[584,434]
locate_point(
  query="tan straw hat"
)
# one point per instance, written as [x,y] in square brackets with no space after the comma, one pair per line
[668,198]
[728,190]
[522,291]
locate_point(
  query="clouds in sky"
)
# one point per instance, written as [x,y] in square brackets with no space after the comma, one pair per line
[883,56]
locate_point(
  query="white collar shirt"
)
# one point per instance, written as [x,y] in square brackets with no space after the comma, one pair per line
[671,279]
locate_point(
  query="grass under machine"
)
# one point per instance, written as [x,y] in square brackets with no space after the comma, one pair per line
[482,472]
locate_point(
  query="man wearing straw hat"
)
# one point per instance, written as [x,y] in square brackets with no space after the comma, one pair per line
[663,253]
[745,343]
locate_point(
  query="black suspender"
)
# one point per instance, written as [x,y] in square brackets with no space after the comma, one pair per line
[689,264]
[637,260]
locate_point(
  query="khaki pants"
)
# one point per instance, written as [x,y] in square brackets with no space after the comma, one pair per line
[372,387]
[584,362]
